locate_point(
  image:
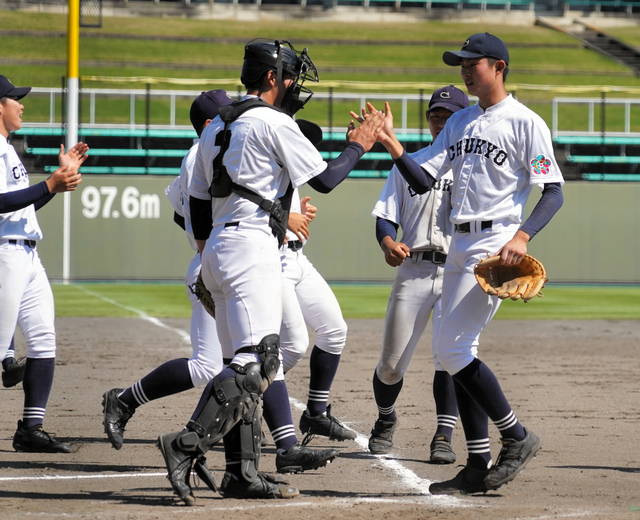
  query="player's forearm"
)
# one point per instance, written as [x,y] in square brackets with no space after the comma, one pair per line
[338,169]
[419,180]
[393,146]
[16,200]
[548,205]
[385,228]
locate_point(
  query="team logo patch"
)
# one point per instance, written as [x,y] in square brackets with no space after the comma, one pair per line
[540,165]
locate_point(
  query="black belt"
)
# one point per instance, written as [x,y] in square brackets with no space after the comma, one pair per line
[30,243]
[231,224]
[295,245]
[432,256]
[466,226]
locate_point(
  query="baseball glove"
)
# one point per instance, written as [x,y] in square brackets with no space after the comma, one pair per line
[203,294]
[523,280]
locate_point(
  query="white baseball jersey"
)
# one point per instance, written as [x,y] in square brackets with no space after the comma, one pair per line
[241,261]
[25,294]
[266,150]
[206,361]
[178,195]
[13,177]
[424,219]
[496,155]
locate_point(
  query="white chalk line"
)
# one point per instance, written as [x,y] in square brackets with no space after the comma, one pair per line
[144,316]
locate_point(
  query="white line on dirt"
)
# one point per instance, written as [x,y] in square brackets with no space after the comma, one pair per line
[82,477]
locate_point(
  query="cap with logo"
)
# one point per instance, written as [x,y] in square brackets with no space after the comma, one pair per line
[478,46]
[207,105]
[8,89]
[449,97]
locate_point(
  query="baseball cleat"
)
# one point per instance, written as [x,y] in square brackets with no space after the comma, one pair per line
[300,458]
[178,467]
[469,480]
[514,456]
[326,425]
[116,416]
[263,486]
[36,440]
[441,451]
[14,373]
[381,440]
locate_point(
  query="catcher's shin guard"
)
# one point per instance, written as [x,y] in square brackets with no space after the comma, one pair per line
[234,400]
[250,432]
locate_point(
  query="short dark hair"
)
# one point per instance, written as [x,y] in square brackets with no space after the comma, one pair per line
[493,61]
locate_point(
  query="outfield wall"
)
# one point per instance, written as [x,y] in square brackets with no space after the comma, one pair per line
[122,229]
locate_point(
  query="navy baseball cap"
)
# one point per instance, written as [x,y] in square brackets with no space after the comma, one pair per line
[450,97]
[8,89]
[207,105]
[478,46]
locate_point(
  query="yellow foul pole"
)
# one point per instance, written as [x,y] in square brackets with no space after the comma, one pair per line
[73,52]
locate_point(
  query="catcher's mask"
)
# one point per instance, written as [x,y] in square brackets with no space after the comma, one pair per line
[261,55]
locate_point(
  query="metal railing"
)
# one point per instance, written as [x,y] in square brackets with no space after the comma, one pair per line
[135,115]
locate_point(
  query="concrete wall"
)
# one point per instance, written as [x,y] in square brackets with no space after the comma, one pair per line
[122,229]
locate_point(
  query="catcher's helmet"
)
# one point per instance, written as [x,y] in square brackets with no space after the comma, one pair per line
[263,55]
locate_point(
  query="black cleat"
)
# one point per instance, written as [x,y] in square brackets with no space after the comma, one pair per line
[263,486]
[178,467]
[326,425]
[514,456]
[469,480]
[300,458]
[14,373]
[36,440]
[116,416]
[441,451]
[381,440]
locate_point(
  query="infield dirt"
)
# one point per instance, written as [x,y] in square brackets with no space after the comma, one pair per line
[575,383]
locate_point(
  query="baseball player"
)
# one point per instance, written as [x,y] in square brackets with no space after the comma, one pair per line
[12,368]
[307,299]
[26,299]
[420,258]
[249,160]
[177,375]
[498,150]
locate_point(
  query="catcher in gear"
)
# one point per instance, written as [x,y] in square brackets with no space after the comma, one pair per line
[264,153]
[520,281]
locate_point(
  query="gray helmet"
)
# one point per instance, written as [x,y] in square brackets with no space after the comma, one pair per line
[262,55]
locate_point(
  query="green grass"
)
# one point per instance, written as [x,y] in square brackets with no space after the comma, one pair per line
[413,54]
[356,300]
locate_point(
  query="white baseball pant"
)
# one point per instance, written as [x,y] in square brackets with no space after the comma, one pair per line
[307,299]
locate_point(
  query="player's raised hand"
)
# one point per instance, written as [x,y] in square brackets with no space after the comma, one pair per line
[307,209]
[74,158]
[367,133]
[299,224]
[64,179]
[394,252]
[387,135]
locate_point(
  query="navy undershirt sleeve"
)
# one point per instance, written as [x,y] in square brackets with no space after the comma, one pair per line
[201,218]
[386,228]
[43,201]
[547,206]
[338,169]
[15,200]
[419,180]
